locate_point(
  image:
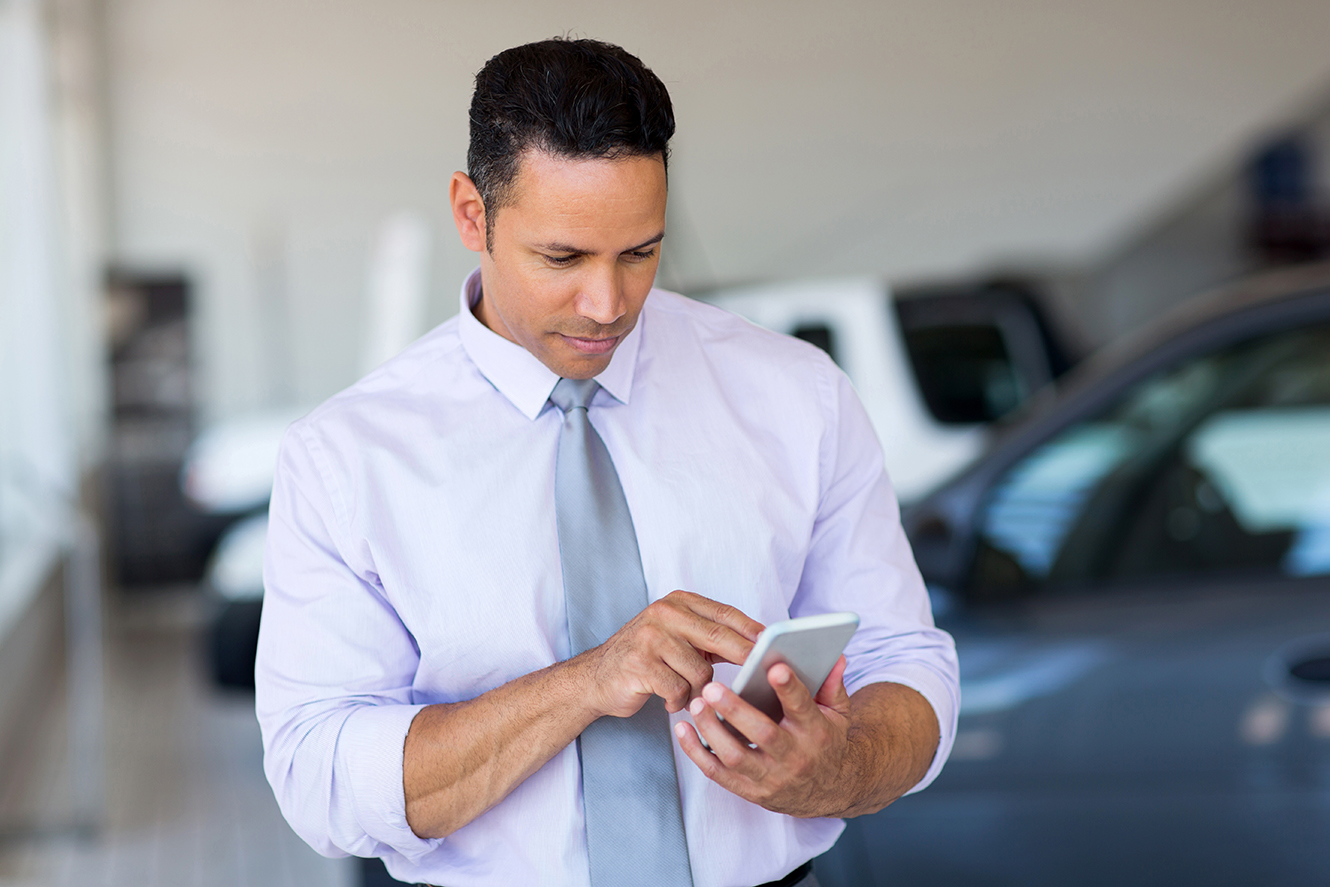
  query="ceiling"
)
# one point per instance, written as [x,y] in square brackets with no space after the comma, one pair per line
[901,138]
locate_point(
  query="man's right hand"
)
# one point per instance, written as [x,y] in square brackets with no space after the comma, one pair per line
[462,758]
[667,650]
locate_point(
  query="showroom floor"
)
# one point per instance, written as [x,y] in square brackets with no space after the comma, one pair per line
[186,800]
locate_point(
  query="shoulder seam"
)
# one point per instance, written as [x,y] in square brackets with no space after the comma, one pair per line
[341,509]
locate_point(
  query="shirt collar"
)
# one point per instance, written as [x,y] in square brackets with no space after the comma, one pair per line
[518,374]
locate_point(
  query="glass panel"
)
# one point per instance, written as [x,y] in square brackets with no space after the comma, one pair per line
[964,372]
[1221,464]
[818,334]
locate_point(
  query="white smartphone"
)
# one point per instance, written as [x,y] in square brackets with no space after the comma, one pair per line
[809,645]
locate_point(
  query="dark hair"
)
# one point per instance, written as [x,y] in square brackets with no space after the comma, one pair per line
[569,98]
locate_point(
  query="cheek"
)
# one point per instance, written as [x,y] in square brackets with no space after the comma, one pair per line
[639,285]
[542,303]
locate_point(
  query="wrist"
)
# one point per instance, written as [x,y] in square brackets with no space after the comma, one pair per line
[579,686]
[856,767]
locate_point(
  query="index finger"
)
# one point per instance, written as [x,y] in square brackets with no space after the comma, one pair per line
[716,628]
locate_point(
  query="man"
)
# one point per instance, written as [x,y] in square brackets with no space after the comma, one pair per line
[428,688]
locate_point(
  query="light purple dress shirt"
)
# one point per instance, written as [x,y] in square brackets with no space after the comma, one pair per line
[413,559]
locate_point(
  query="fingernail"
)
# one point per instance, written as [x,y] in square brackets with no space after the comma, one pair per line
[712,692]
[678,730]
[696,708]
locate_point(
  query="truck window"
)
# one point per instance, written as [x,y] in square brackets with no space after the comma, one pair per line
[965,372]
[818,334]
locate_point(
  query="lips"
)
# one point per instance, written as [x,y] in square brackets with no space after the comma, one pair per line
[592,346]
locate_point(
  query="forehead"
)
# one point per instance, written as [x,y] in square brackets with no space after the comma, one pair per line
[599,193]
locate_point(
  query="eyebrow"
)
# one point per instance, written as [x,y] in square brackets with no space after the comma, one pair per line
[575,250]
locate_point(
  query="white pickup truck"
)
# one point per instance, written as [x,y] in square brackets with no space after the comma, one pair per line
[933,366]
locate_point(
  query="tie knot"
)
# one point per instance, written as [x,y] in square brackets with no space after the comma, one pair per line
[572,394]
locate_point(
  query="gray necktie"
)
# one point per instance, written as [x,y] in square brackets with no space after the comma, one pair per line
[630,792]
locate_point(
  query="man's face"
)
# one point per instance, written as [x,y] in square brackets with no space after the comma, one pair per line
[573,256]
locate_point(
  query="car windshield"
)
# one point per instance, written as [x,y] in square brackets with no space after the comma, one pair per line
[1219,464]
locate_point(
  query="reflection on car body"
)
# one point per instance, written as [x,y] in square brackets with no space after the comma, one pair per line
[1138,580]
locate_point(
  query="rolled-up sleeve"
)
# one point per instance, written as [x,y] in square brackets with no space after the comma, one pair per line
[334,672]
[860,560]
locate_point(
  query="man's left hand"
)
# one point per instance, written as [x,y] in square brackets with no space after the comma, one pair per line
[798,766]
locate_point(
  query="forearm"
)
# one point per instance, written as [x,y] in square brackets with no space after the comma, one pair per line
[892,739]
[461,759]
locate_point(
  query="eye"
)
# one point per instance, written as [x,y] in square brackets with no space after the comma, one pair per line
[561,261]
[640,255]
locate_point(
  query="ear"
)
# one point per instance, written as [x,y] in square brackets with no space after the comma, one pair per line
[468,211]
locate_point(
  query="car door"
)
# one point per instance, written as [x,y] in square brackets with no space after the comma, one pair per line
[1144,644]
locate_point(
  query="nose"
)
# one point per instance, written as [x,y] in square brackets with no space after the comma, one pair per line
[601,297]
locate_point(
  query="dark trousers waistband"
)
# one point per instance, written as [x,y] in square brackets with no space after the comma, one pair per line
[793,878]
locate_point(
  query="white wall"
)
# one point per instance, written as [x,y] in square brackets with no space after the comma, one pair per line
[50,402]
[257,143]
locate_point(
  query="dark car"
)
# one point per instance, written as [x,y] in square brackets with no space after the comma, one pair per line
[1137,575]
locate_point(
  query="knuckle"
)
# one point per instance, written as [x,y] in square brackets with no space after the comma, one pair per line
[798,695]
[795,703]
[729,755]
[764,734]
[675,690]
[649,634]
[677,599]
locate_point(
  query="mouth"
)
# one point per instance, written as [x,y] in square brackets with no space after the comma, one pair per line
[592,347]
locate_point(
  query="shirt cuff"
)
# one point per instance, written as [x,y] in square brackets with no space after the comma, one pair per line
[369,760]
[940,694]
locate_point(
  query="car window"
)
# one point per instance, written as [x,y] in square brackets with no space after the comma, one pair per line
[1219,464]
[818,334]
[965,372]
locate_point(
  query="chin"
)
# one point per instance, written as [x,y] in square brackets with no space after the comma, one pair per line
[581,367]
[582,372]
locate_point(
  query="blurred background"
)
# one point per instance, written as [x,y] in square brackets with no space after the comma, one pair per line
[213,215]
